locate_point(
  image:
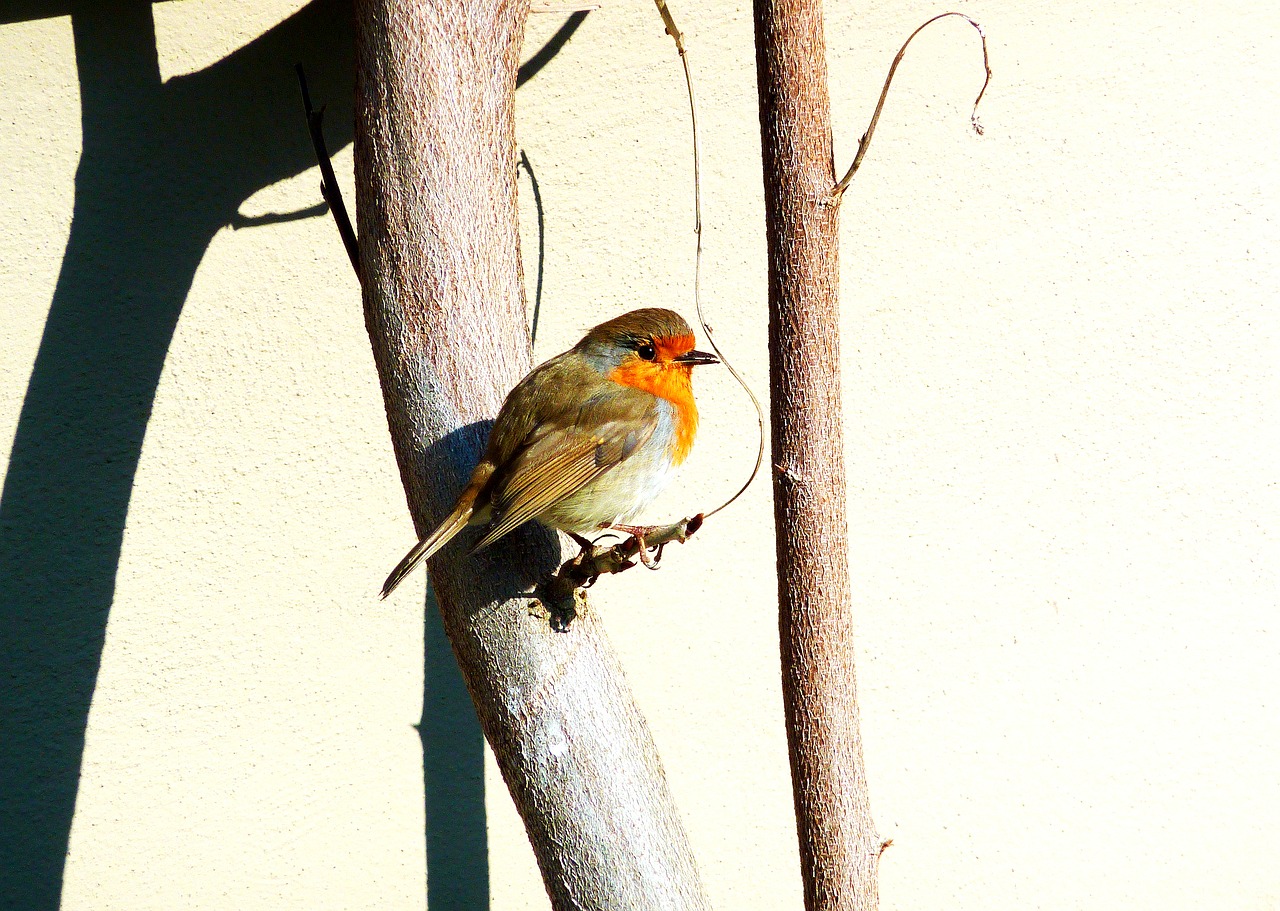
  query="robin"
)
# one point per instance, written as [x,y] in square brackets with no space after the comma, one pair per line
[586,440]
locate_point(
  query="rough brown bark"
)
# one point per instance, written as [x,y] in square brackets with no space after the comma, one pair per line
[839,847]
[439,256]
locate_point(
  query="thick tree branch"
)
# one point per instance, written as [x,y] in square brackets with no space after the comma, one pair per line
[839,848]
[436,204]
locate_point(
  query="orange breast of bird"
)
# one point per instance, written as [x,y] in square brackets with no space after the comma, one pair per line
[668,381]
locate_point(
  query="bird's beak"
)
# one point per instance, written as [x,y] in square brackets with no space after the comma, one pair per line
[696,358]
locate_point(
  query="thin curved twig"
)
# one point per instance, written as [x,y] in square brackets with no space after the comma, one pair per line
[562,594]
[315,119]
[884,93]
[678,37]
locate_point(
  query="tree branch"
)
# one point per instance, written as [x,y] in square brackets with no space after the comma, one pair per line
[436,185]
[839,847]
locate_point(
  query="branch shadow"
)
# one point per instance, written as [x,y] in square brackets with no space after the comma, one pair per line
[164,166]
[542,246]
[452,777]
[452,743]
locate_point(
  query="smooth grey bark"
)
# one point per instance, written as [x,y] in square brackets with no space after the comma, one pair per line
[435,163]
[839,847]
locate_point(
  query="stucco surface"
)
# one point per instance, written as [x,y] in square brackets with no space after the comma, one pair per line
[1060,347]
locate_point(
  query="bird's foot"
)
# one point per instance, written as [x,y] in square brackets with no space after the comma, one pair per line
[587,552]
[640,532]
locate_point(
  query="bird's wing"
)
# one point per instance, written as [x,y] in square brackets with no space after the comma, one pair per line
[556,462]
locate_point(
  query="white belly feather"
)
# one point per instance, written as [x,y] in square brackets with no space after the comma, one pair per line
[622,493]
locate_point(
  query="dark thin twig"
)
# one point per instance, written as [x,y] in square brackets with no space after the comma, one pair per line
[884,93]
[678,37]
[328,182]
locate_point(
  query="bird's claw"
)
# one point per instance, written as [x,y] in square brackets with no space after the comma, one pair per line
[648,559]
[639,532]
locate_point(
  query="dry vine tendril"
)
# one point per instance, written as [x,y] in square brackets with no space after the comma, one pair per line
[678,37]
[884,93]
[562,594]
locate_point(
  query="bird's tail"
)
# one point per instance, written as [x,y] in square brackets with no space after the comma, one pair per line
[456,521]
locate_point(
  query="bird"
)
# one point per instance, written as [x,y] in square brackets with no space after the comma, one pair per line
[586,440]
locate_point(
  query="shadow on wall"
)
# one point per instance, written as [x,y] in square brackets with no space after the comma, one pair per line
[452,778]
[165,165]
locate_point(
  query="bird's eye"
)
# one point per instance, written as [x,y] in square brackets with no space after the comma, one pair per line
[646,351]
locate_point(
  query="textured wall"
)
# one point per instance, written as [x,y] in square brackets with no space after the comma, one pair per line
[1060,386]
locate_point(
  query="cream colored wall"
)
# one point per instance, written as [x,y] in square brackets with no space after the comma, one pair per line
[1060,343]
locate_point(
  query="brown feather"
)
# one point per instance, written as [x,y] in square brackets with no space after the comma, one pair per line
[458,518]
[560,461]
